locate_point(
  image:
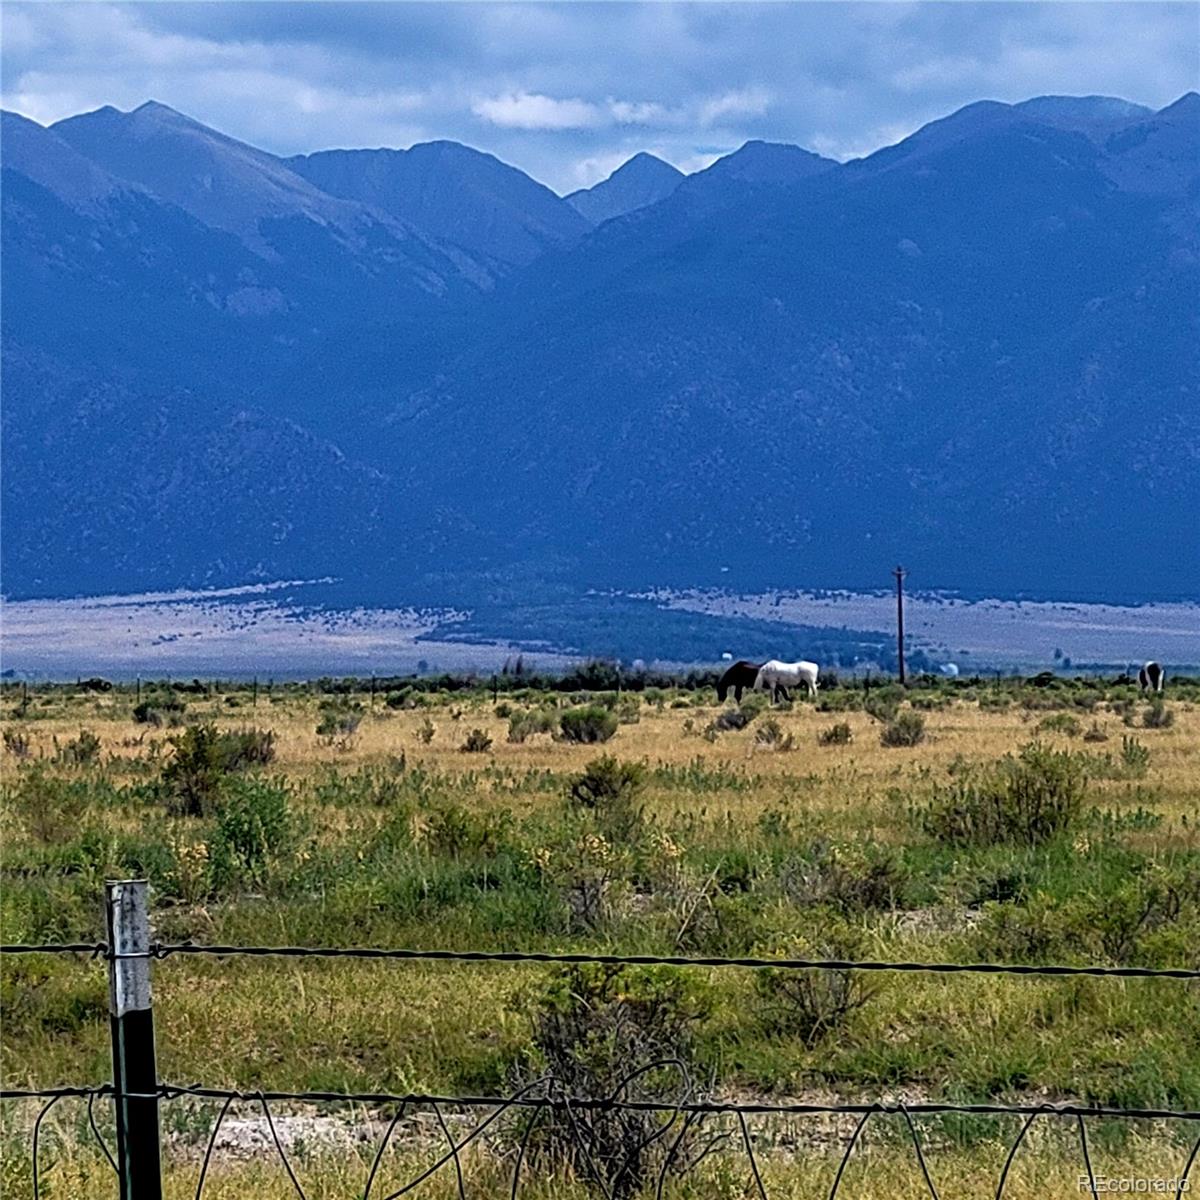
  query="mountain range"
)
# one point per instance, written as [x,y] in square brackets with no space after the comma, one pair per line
[427,374]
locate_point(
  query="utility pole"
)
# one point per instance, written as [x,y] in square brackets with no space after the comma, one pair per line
[900,573]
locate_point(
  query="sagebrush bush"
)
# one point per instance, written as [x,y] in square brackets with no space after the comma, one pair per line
[850,878]
[16,743]
[602,1030]
[339,722]
[204,757]
[242,749]
[1029,799]
[1135,758]
[610,790]
[589,723]
[523,725]
[730,719]
[883,703]
[193,778]
[477,741]
[165,709]
[1158,715]
[457,831]
[812,1004]
[770,733]
[908,729]
[836,735]
[1059,723]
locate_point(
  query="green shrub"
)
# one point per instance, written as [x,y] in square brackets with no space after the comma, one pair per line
[770,733]
[836,735]
[1094,733]
[1059,723]
[159,710]
[83,751]
[601,1030]
[812,1004]
[852,879]
[1135,758]
[16,743]
[52,807]
[204,757]
[426,731]
[610,789]
[339,722]
[457,832]
[477,742]
[730,719]
[908,729]
[254,828]
[192,780]
[243,749]
[1158,715]
[883,703]
[1147,919]
[1029,800]
[523,725]
[588,724]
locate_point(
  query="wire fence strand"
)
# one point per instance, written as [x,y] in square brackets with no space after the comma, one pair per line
[684,1111]
[164,950]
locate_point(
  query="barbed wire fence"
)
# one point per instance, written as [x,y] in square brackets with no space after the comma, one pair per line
[136,1092]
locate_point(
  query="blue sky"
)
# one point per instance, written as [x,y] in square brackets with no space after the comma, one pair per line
[568,91]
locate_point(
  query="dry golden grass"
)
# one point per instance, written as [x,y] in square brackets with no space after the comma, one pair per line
[369,1026]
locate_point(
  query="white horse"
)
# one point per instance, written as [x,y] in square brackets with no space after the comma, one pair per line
[1151,677]
[779,676]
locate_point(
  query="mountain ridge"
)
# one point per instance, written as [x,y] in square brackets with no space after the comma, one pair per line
[785,364]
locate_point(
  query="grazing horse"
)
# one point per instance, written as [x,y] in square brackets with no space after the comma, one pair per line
[1151,677]
[741,675]
[779,676]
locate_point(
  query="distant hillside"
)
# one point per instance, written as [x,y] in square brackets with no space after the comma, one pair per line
[975,352]
[642,181]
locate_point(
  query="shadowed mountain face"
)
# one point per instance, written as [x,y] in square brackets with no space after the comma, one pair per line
[643,180]
[454,193]
[975,352]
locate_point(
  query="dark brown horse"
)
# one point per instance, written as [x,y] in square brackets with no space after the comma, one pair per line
[741,675]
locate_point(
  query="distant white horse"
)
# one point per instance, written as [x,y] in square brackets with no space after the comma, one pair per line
[779,676]
[1151,677]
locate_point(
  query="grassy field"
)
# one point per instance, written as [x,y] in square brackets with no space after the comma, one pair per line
[1058,823]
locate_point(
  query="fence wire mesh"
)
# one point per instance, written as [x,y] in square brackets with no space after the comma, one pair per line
[544,1099]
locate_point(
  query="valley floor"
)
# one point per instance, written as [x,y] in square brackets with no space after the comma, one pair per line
[369,822]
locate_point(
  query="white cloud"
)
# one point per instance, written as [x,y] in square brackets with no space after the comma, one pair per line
[529,110]
[748,102]
[629,113]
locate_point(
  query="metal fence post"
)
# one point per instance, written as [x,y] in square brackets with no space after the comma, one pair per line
[135,1077]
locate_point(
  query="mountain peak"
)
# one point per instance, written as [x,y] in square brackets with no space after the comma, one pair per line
[769,162]
[222,182]
[641,180]
[155,107]
[1187,105]
[455,192]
